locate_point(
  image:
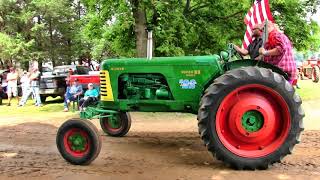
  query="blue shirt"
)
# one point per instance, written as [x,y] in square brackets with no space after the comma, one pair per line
[75,89]
[91,93]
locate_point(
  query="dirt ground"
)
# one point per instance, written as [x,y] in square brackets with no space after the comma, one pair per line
[158,146]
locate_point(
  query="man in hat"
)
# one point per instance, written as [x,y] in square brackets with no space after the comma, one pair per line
[253,48]
[72,93]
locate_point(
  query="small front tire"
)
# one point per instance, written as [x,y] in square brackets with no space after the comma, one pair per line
[78,141]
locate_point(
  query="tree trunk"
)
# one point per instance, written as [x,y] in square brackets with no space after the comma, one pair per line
[140,19]
[187,7]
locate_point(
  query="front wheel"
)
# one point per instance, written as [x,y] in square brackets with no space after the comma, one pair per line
[118,125]
[250,118]
[78,141]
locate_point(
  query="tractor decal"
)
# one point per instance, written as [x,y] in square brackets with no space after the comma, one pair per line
[105,86]
[187,84]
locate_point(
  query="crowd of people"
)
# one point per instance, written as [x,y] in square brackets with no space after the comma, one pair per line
[29,82]
[30,87]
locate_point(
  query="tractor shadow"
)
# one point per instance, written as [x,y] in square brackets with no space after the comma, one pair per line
[179,148]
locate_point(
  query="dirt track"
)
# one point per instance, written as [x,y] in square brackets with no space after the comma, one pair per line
[159,146]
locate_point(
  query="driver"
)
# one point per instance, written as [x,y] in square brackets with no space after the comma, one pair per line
[253,48]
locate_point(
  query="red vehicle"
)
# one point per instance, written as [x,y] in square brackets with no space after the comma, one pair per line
[311,69]
[93,77]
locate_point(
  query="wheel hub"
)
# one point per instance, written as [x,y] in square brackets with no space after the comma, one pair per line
[252,121]
[77,142]
[115,122]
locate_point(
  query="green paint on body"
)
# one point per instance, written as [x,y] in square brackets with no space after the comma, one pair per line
[175,95]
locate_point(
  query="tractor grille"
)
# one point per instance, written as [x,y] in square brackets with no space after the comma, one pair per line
[105,86]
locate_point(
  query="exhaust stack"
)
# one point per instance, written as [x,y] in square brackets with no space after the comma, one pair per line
[149,43]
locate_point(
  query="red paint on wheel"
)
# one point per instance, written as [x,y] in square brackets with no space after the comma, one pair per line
[266,140]
[111,129]
[68,144]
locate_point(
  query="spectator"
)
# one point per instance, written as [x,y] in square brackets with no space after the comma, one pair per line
[253,48]
[278,51]
[72,93]
[90,97]
[25,83]
[12,88]
[34,88]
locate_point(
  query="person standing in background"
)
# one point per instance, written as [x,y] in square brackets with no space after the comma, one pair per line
[12,88]
[34,88]
[25,83]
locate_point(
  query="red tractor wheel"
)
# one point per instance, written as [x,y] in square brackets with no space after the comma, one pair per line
[250,118]
[78,141]
[116,126]
[315,74]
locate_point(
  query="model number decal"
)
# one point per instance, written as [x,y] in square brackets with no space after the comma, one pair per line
[191,73]
[187,84]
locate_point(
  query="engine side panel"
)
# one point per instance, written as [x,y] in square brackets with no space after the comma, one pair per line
[160,84]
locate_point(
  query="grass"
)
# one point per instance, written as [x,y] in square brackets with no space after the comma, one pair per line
[309,90]
[54,107]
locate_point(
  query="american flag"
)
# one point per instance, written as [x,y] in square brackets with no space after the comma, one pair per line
[258,13]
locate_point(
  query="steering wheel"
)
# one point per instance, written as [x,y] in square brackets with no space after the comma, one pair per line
[233,52]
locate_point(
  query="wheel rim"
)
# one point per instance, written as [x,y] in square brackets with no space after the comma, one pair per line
[76,142]
[253,121]
[113,124]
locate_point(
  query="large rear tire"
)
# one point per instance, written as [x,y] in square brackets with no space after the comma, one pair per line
[78,141]
[118,127]
[250,118]
[315,74]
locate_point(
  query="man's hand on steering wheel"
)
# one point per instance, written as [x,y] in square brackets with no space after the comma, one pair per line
[235,51]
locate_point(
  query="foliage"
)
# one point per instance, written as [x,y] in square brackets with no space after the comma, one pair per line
[70,30]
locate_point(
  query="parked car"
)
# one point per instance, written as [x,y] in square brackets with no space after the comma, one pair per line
[45,71]
[55,84]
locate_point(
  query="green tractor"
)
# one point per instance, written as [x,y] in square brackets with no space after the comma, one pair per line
[249,115]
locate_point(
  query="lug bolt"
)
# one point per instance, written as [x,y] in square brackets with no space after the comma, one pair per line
[261,147]
[258,107]
[238,147]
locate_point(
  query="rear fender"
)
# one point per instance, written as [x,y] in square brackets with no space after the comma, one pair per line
[244,63]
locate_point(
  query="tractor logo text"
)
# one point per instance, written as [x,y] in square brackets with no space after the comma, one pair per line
[187,84]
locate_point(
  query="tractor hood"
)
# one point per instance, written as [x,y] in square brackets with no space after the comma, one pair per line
[160,61]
